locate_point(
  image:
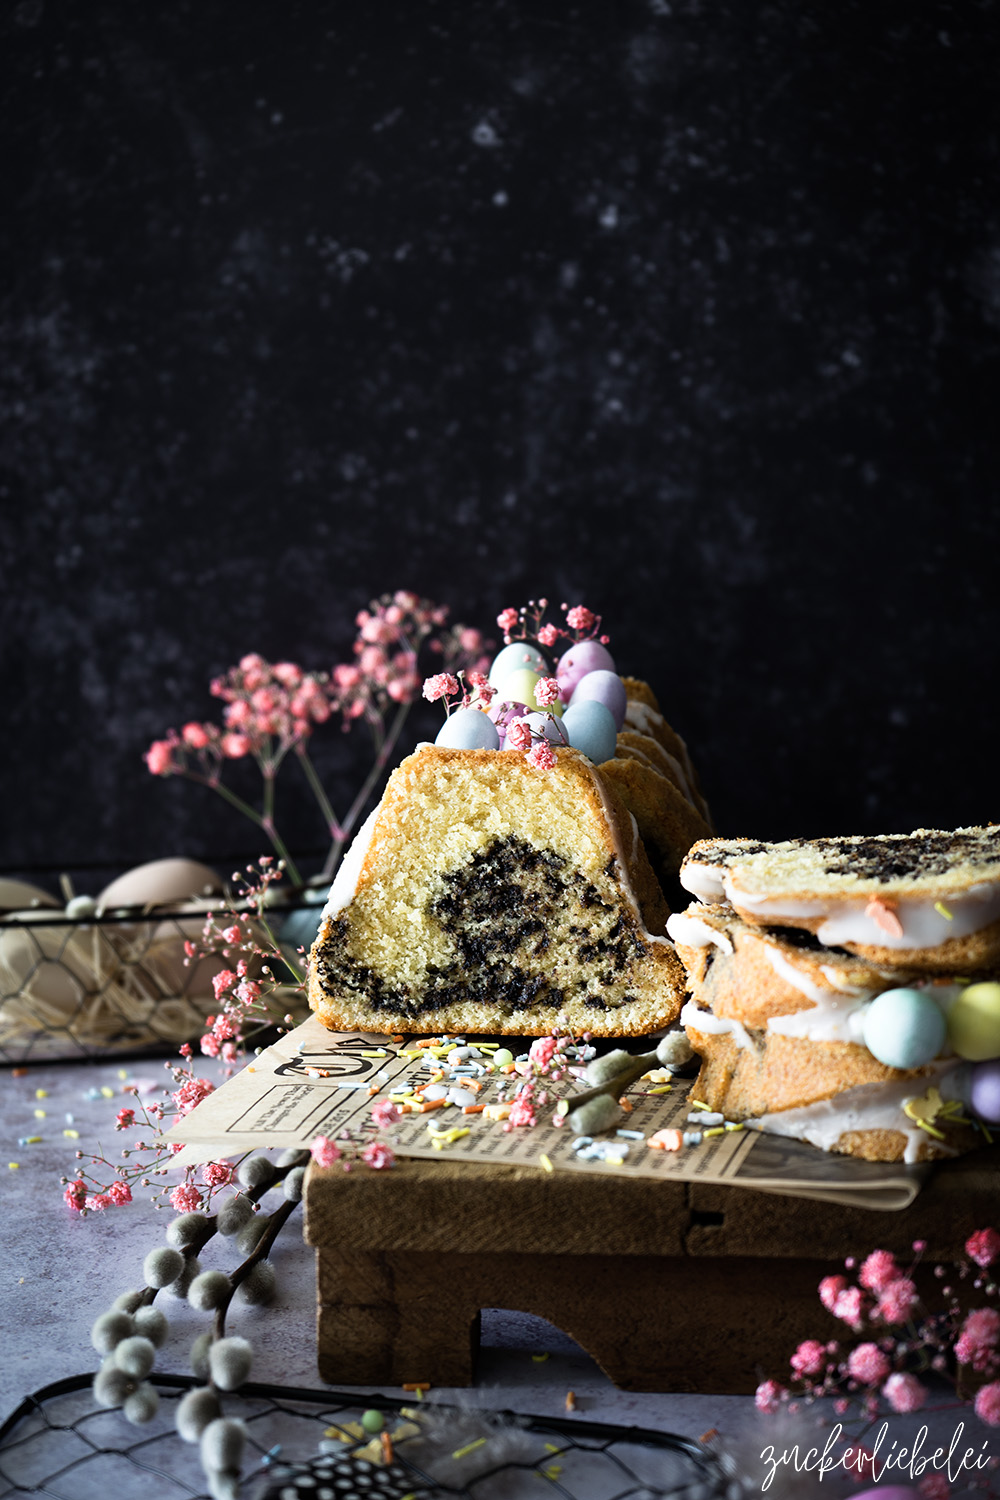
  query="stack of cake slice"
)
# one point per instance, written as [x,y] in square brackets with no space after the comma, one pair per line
[788,947]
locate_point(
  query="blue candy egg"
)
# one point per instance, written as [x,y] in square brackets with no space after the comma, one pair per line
[548,726]
[591,729]
[603,687]
[984,1090]
[904,1028]
[515,656]
[468,729]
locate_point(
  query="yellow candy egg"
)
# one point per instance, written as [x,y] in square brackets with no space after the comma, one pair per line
[974,1022]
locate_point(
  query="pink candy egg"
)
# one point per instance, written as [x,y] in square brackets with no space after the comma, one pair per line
[584,657]
[603,687]
[984,1090]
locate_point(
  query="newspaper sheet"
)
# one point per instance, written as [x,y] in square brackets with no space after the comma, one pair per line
[317,1082]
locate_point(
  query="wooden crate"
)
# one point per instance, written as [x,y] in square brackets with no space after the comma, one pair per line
[668,1286]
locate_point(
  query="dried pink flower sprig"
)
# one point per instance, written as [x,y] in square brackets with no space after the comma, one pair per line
[272,710]
[899,1340]
[529,624]
[473,690]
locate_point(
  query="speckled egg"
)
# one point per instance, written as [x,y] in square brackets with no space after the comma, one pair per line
[514,658]
[591,729]
[586,656]
[468,729]
[603,687]
[984,1090]
[974,1022]
[904,1028]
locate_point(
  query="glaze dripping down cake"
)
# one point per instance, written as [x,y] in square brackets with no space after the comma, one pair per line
[486,895]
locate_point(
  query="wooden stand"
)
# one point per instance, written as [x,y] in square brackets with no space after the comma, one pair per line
[668,1286]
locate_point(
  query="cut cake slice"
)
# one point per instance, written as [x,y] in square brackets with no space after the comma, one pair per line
[776,1020]
[485,895]
[927,899]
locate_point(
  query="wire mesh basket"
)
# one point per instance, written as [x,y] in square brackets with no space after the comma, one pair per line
[106,984]
[61,1444]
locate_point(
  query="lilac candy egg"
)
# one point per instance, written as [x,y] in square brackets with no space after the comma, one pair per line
[550,727]
[468,729]
[984,1090]
[515,656]
[603,687]
[503,715]
[584,657]
[591,729]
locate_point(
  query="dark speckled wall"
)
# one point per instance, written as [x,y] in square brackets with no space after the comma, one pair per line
[687,310]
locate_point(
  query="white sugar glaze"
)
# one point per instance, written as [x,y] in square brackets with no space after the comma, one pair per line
[870,1106]
[691,932]
[923,923]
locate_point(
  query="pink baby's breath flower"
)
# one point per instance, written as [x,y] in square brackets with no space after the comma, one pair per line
[195,735]
[323,1151]
[904,1392]
[186,1199]
[378,1156]
[546,692]
[769,1396]
[548,635]
[541,756]
[850,1306]
[830,1289]
[222,982]
[234,746]
[384,1113]
[988,1404]
[507,619]
[976,1344]
[441,685]
[159,757]
[120,1193]
[868,1364]
[897,1301]
[209,1045]
[522,1111]
[983,1247]
[809,1358]
[470,640]
[542,1051]
[124,1119]
[216,1174]
[99,1202]
[75,1194]
[287,673]
[878,1270]
[191,1092]
[232,934]
[581,618]
[519,735]
[238,715]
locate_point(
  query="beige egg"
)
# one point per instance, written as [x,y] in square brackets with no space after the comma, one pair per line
[162,882]
[18,893]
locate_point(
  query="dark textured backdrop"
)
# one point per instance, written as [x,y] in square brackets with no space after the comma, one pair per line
[687,310]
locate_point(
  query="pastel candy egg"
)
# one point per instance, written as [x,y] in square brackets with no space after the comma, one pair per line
[515,657]
[468,729]
[974,1022]
[603,687]
[591,729]
[503,715]
[984,1090]
[904,1028]
[586,656]
[517,685]
[552,729]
